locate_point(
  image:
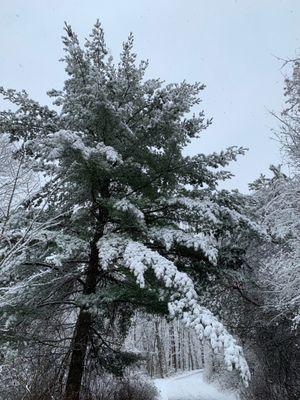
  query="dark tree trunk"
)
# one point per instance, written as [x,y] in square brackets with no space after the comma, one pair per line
[173,347]
[82,330]
[79,348]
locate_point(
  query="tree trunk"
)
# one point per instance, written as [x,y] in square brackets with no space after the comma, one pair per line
[191,358]
[179,350]
[202,354]
[173,347]
[82,330]
[182,335]
[80,343]
[160,351]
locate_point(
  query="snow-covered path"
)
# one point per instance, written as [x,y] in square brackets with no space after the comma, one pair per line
[190,386]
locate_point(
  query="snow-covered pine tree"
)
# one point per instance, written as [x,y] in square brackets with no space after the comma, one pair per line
[123,219]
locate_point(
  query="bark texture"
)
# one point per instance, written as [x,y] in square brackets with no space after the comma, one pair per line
[82,330]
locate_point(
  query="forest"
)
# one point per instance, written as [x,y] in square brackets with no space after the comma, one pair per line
[123,260]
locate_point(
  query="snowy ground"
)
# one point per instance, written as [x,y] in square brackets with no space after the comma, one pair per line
[190,386]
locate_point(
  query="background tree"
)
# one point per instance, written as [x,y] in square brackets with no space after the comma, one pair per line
[267,305]
[165,346]
[277,204]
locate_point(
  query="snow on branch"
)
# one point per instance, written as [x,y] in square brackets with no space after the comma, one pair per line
[205,207]
[126,206]
[197,241]
[183,304]
[64,140]
[213,212]
[237,217]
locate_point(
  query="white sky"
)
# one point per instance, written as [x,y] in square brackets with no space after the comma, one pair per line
[230,45]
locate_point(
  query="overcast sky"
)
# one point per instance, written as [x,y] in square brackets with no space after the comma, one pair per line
[230,45]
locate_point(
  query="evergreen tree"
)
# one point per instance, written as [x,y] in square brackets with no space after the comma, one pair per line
[123,219]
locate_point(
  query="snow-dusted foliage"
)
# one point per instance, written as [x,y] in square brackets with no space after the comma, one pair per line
[64,141]
[125,206]
[289,133]
[277,203]
[17,180]
[123,219]
[183,303]
[197,241]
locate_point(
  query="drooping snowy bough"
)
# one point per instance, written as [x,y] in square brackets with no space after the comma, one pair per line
[183,303]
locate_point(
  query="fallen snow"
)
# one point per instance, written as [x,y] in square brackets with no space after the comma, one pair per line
[190,386]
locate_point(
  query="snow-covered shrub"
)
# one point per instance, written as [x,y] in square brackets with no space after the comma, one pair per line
[35,376]
[136,388]
[131,386]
